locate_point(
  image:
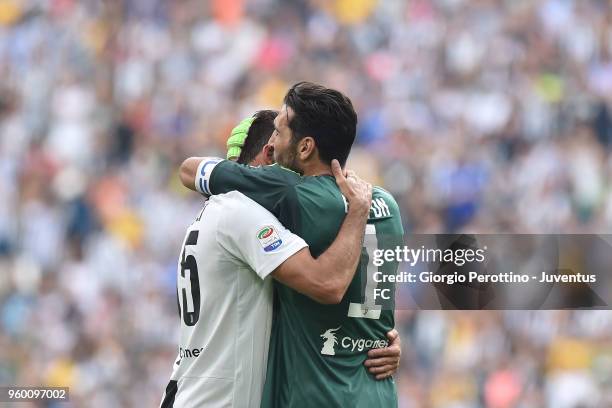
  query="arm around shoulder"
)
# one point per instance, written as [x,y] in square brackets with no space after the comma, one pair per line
[326,278]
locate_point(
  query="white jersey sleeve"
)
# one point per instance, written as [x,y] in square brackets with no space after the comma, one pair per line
[255,236]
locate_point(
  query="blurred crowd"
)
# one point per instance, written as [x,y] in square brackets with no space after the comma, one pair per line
[479,116]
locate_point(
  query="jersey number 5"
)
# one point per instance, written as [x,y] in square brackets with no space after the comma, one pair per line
[189,289]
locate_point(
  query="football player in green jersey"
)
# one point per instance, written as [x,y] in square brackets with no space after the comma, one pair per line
[317,351]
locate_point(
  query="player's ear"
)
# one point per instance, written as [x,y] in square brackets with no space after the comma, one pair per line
[306,148]
[268,154]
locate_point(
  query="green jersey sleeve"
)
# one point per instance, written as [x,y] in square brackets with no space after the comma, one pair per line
[272,187]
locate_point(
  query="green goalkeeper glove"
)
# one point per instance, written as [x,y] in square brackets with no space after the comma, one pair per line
[237,138]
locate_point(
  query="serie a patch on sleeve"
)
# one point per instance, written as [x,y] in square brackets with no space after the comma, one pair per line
[269,238]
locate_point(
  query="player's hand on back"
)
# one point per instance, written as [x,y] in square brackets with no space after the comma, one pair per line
[384,362]
[357,192]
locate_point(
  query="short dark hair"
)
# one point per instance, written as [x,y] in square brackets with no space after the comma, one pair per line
[324,114]
[259,133]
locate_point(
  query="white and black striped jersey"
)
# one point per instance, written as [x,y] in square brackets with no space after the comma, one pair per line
[225,303]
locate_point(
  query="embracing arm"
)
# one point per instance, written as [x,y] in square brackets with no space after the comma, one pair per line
[326,278]
[266,185]
[188,170]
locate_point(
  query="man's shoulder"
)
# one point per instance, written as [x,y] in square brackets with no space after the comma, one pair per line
[271,176]
[235,202]
[318,185]
[384,207]
[285,170]
[379,193]
[283,173]
[319,192]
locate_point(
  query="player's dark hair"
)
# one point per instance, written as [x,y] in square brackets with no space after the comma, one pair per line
[259,133]
[324,114]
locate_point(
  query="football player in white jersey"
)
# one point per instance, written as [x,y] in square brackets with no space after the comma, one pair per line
[224,298]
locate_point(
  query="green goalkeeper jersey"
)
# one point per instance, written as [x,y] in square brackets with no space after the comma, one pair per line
[317,351]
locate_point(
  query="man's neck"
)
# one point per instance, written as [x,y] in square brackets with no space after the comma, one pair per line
[316,169]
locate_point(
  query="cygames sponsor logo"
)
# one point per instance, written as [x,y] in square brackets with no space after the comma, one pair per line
[330,341]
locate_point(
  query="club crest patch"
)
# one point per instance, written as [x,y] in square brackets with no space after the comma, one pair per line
[269,239]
